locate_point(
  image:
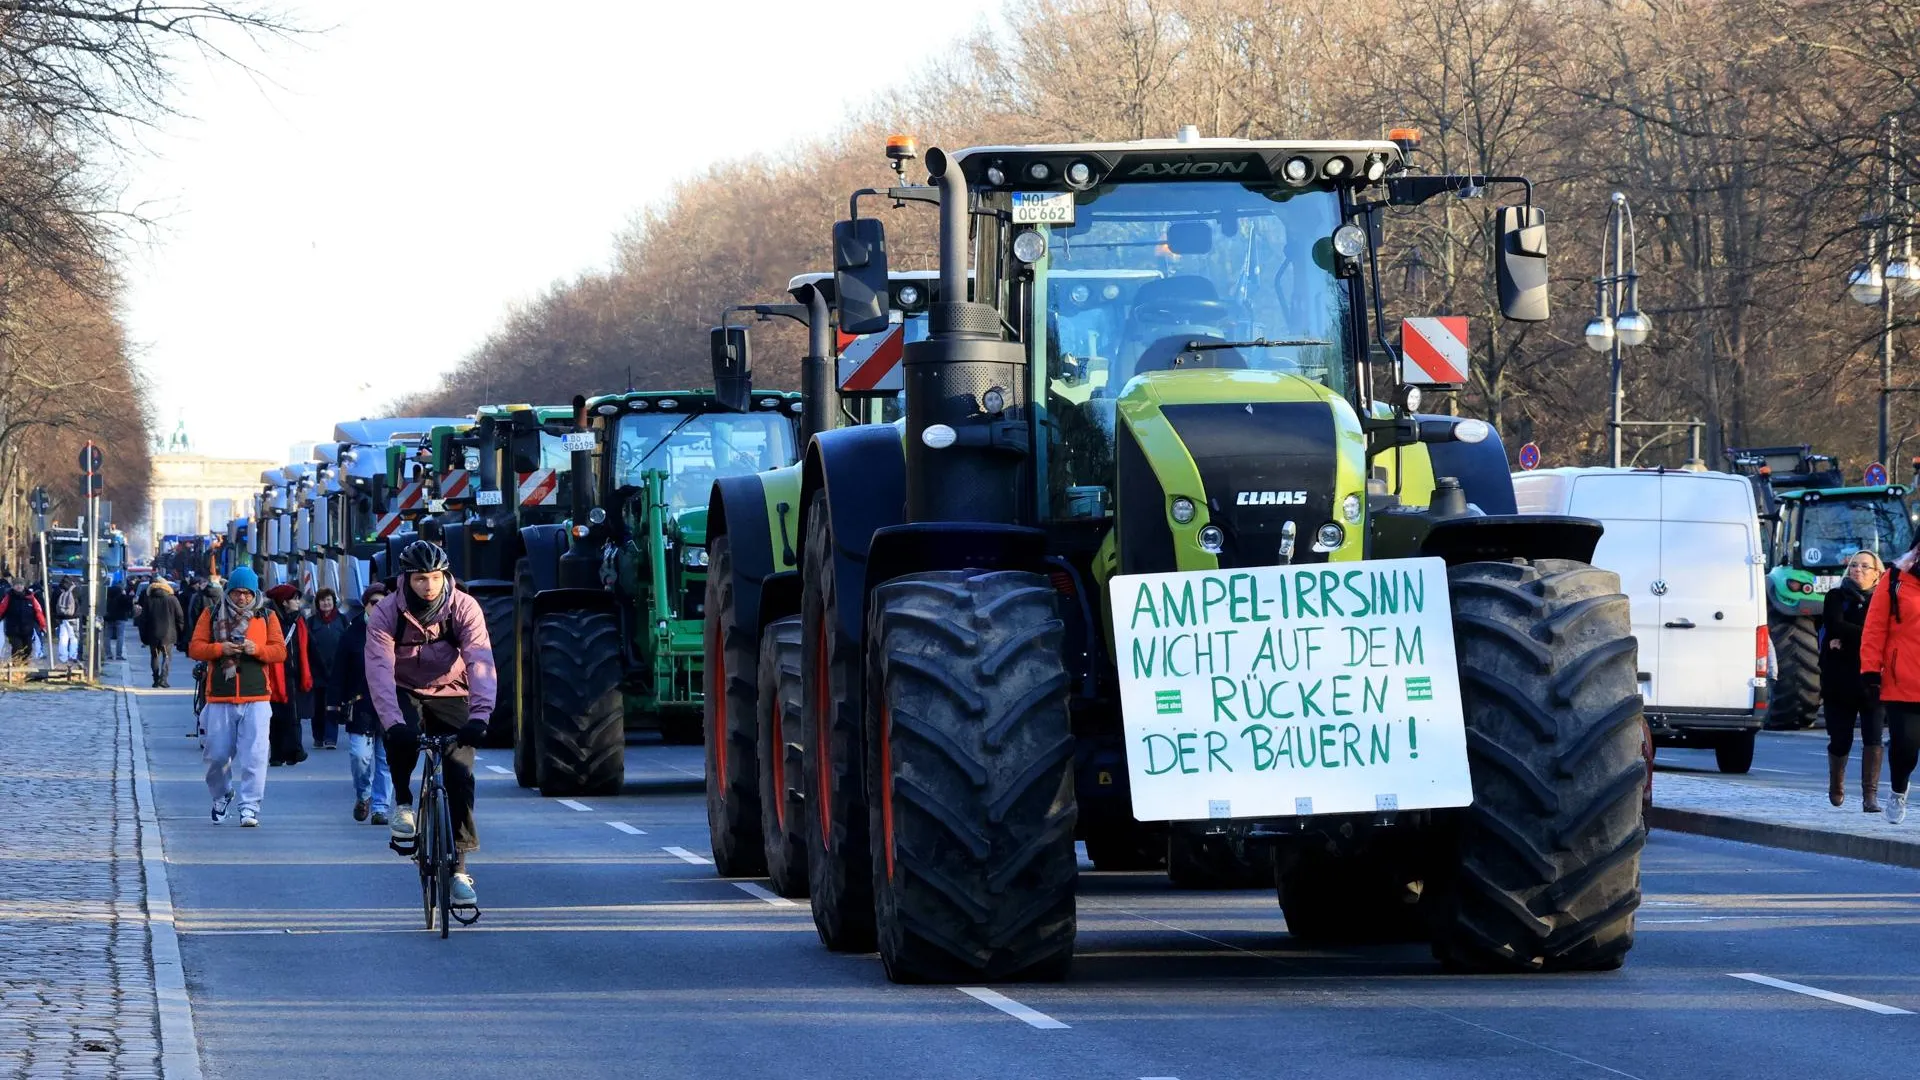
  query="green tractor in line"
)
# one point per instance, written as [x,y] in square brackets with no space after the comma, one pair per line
[1813,523]
[1018,607]
[611,599]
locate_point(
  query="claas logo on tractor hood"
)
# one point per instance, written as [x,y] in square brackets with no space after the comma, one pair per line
[1270,498]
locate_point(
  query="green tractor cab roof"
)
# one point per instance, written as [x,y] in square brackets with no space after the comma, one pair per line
[686,401]
[1889,491]
[1050,167]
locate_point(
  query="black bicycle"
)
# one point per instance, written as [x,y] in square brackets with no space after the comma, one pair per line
[433,841]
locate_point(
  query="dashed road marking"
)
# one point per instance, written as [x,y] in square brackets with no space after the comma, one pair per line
[1824,995]
[687,856]
[1030,1016]
[501,771]
[571,804]
[628,829]
[759,893]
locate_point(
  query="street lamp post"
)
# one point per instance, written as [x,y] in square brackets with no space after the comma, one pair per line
[1874,282]
[1617,318]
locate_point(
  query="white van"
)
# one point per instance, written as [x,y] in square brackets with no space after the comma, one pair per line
[1687,547]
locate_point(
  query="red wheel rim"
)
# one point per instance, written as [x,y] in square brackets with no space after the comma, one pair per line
[886,784]
[823,805]
[717,738]
[779,764]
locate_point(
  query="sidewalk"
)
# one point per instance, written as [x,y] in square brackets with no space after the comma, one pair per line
[1783,817]
[77,976]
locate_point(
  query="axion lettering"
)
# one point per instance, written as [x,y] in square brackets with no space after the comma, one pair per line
[1189,168]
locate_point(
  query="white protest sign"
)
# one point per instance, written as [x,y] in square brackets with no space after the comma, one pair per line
[1277,691]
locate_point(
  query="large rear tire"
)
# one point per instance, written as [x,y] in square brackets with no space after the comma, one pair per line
[582,740]
[839,856]
[730,717]
[970,760]
[1546,872]
[1795,702]
[526,725]
[498,608]
[783,739]
[1218,861]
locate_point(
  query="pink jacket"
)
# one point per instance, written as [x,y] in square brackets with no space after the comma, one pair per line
[452,657]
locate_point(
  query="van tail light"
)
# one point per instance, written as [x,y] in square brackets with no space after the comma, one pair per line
[1762,667]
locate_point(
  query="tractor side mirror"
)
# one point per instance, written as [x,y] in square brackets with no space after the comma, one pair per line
[1522,264]
[860,275]
[732,367]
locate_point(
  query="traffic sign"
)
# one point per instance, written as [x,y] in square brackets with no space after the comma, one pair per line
[1876,475]
[1530,456]
[91,484]
[91,459]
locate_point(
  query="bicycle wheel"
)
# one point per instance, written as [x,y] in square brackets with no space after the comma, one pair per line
[443,845]
[423,855]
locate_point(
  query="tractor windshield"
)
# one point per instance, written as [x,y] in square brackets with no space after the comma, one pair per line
[1833,529]
[695,449]
[1180,277]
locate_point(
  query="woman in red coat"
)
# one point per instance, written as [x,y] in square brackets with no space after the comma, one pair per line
[1890,671]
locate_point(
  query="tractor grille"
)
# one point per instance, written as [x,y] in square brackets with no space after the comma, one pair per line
[1269,451]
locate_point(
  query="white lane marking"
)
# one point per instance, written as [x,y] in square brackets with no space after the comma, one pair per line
[501,771]
[572,805]
[1824,995]
[628,829]
[1029,1016]
[759,893]
[684,771]
[687,856]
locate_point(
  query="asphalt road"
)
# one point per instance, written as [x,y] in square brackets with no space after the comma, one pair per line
[608,949]
[1793,760]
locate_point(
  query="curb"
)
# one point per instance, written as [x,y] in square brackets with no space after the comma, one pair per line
[179,1042]
[1876,849]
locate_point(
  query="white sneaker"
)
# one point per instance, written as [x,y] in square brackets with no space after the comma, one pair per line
[462,894]
[249,818]
[401,827]
[1896,809]
[220,806]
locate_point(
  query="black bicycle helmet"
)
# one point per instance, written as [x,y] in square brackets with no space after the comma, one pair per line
[423,557]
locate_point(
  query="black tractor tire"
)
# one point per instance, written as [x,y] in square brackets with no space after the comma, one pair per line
[1127,847]
[839,855]
[783,759]
[1348,899]
[526,727]
[1218,861]
[582,741]
[970,767]
[497,608]
[1733,752]
[1544,872]
[730,717]
[1795,700]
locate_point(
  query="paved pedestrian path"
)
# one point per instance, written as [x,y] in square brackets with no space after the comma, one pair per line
[1803,820]
[77,981]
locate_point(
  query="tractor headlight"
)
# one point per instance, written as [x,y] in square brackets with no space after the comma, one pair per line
[1350,509]
[1472,431]
[994,400]
[1330,536]
[1212,540]
[1182,509]
[1030,246]
[1349,240]
[597,516]
[694,556]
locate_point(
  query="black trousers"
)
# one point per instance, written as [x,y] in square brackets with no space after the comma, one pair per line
[326,726]
[1903,741]
[439,716]
[1843,713]
[160,658]
[283,734]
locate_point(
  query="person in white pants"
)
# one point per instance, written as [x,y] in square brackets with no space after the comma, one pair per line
[240,642]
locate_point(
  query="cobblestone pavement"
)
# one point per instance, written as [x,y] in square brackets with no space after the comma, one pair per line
[76,976]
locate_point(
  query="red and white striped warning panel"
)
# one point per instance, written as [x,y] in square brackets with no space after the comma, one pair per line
[870,363]
[410,496]
[387,526]
[541,487]
[1433,350]
[457,484]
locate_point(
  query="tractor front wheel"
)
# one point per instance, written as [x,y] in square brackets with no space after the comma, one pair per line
[1795,702]
[1544,873]
[783,739]
[730,718]
[970,767]
[582,741]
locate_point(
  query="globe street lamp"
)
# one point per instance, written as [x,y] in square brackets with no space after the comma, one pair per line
[1871,282]
[1617,319]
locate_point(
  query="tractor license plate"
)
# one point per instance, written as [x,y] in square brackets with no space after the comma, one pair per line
[575,441]
[1282,690]
[1043,208]
[1826,583]
[486,498]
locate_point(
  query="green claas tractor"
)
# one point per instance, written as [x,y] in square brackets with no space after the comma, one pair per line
[1155,556]
[613,595]
[1814,524]
[752,635]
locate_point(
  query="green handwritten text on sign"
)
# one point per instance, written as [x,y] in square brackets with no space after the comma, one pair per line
[1270,688]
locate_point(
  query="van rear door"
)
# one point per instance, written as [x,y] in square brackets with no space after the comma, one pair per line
[1708,610]
[1629,505]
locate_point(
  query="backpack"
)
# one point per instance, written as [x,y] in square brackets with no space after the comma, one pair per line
[68,609]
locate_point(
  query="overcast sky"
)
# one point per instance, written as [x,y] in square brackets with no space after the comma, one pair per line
[340,234]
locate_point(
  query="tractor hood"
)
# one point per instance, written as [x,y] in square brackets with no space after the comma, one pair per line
[691,525]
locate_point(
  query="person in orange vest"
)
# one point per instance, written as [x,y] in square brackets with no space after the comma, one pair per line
[240,642]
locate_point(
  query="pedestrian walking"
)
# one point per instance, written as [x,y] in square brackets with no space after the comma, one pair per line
[162,624]
[325,627]
[293,681]
[1890,672]
[347,694]
[240,643]
[66,612]
[1842,691]
[119,609]
[198,598]
[20,614]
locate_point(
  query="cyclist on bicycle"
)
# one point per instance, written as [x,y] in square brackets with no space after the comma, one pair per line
[430,668]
